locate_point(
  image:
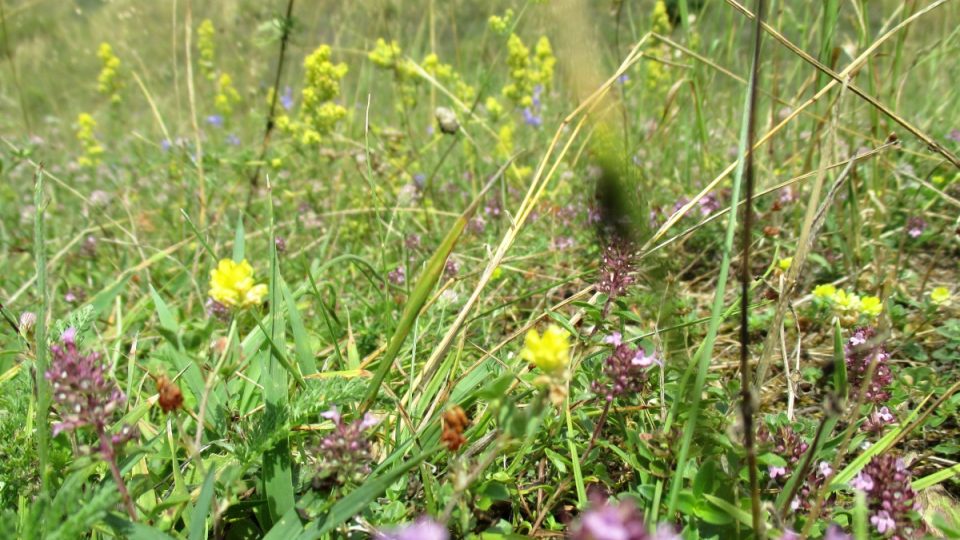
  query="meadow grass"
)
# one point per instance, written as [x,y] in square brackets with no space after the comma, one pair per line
[423,269]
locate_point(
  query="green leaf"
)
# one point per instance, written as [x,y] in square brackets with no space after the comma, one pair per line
[301,341]
[129,529]
[840,383]
[198,519]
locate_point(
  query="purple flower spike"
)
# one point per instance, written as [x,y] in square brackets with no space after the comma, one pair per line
[423,528]
[616,520]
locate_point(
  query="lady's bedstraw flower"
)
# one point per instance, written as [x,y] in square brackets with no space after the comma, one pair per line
[227,96]
[319,115]
[784,263]
[824,292]
[232,285]
[526,71]
[940,296]
[207,48]
[86,127]
[108,82]
[551,353]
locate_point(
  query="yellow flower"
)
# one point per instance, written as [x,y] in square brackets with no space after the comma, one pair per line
[825,291]
[232,285]
[785,263]
[550,352]
[940,296]
[870,306]
[844,301]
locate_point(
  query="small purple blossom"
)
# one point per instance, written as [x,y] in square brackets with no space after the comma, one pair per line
[890,498]
[562,243]
[477,225]
[624,372]
[878,419]
[398,276]
[531,118]
[345,452]
[280,243]
[82,391]
[165,145]
[286,99]
[451,268]
[834,532]
[215,120]
[915,226]
[616,520]
[233,139]
[775,471]
[954,135]
[616,267]
[623,79]
[217,310]
[412,242]
[28,320]
[863,354]
[708,204]
[615,339]
[424,528]
[74,295]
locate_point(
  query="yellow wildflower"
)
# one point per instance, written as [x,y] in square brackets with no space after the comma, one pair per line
[500,24]
[550,352]
[227,96]
[870,306]
[844,301]
[825,291]
[319,114]
[107,82]
[785,263]
[940,296]
[232,285]
[207,47]
[92,150]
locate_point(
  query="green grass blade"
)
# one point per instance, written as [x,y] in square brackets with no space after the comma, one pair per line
[40,333]
[198,519]
[301,341]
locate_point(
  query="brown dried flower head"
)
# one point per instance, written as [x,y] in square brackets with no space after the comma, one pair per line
[171,398]
[455,421]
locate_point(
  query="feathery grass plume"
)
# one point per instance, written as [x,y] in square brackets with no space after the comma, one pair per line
[207,48]
[232,285]
[92,150]
[892,501]
[108,82]
[319,114]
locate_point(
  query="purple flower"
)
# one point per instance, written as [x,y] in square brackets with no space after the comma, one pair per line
[531,118]
[280,243]
[563,242]
[215,120]
[915,226]
[775,471]
[217,310]
[398,276]
[451,268]
[624,372]
[890,498]
[863,354]
[165,145]
[233,139]
[615,339]
[878,419]
[424,528]
[615,520]
[84,395]
[412,242]
[708,204]
[623,79]
[286,100]
[345,452]
[787,444]
[954,135]
[834,532]
[616,267]
[477,225]
[28,320]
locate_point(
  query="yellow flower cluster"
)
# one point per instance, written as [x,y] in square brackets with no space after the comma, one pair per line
[389,56]
[227,96]
[444,73]
[500,24]
[92,150]
[319,115]
[108,82]
[657,76]
[207,48]
[527,72]
[232,285]
[549,352]
[848,306]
